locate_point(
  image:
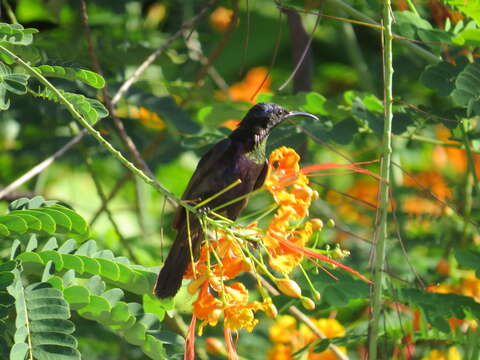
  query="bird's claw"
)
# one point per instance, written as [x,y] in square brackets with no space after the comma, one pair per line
[204,210]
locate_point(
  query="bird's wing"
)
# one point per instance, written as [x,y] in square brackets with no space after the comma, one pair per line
[261,177]
[205,166]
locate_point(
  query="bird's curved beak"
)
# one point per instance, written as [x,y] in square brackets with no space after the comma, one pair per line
[301,113]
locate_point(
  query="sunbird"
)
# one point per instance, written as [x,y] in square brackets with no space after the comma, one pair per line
[241,156]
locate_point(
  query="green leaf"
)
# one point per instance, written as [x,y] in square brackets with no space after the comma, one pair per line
[343,131]
[467,37]
[76,296]
[14,223]
[441,77]
[16,34]
[340,292]
[467,89]
[4,230]
[90,109]
[47,222]
[86,76]
[59,217]
[315,103]
[469,259]
[470,8]
[439,307]
[42,323]
[79,225]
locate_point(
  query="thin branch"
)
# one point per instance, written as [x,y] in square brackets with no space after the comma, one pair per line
[431,194]
[101,194]
[402,244]
[305,51]
[147,154]
[148,61]
[274,55]
[195,52]
[320,141]
[220,46]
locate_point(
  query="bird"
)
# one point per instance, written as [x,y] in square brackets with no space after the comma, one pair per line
[240,156]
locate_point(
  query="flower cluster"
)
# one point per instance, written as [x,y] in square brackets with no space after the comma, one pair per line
[290,190]
[287,338]
[217,298]
[231,251]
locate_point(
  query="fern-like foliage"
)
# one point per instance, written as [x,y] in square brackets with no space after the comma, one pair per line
[88,77]
[72,277]
[90,109]
[43,328]
[42,217]
[16,34]
[12,35]
[6,303]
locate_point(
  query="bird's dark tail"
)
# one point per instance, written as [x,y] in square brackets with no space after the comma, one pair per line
[170,277]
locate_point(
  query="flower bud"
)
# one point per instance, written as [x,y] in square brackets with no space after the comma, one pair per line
[316,295]
[339,253]
[315,195]
[195,284]
[247,265]
[308,303]
[331,223]
[289,287]
[271,311]
[448,211]
[317,224]
[215,346]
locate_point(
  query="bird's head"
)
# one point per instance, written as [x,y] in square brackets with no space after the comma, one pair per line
[264,116]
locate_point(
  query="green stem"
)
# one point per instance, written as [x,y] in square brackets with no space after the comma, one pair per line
[471,179]
[10,12]
[224,190]
[412,7]
[435,142]
[116,154]
[382,216]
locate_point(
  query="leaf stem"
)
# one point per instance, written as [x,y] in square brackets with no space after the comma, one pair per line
[382,212]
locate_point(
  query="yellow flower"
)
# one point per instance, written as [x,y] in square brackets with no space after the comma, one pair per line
[280,352]
[284,329]
[329,327]
[452,354]
[288,339]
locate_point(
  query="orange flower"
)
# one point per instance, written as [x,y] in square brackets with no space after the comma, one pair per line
[207,308]
[256,81]
[220,19]
[146,117]
[433,181]
[230,124]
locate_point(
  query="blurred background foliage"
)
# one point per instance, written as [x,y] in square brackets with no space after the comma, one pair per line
[200,87]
